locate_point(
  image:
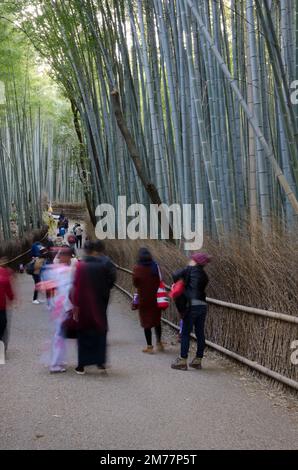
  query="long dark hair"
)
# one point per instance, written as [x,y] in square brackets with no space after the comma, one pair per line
[145,259]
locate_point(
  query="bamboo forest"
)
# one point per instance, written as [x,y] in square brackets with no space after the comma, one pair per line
[149,214]
[159,100]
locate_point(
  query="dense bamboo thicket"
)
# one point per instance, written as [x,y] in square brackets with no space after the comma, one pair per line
[28,171]
[37,154]
[204,112]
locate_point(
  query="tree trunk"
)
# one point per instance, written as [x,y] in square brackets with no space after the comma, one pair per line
[133,151]
[81,164]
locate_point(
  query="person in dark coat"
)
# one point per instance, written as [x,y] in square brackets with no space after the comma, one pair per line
[195,310]
[146,279]
[66,224]
[61,217]
[94,279]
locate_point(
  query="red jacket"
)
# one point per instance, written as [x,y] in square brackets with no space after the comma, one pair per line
[147,283]
[6,291]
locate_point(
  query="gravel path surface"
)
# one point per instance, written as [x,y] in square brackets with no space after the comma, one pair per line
[141,404]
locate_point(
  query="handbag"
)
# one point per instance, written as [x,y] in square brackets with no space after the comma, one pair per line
[177,289]
[69,327]
[178,295]
[162,294]
[135,301]
[30,267]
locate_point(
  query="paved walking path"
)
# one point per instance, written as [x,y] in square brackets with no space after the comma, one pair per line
[141,404]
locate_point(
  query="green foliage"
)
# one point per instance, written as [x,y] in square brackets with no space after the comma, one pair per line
[182,69]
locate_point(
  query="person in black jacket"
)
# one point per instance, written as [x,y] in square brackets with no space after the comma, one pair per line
[94,278]
[195,309]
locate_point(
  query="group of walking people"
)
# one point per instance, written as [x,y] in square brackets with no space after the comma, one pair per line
[191,304]
[77,296]
[75,237]
[78,293]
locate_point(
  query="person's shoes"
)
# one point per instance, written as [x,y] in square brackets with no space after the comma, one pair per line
[196,363]
[102,369]
[42,301]
[180,364]
[36,302]
[57,369]
[148,350]
[160,347]
[80,370]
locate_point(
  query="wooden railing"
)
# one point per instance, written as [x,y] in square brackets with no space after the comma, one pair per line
[245,310]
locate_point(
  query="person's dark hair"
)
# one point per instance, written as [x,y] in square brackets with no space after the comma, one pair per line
[65,251]
[43,253]
[98,246]
[144,255]
[88,247]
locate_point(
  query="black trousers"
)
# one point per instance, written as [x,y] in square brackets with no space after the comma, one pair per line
[92,348]
[79,241]
[3,323]
[148,334]
[36,279]
[195,318]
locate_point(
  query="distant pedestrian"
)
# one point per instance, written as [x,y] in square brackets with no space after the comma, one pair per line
[195,282]
[146,279]
[66,224]
[36,265]
[71,240]
[74,228]
[94,279]
[62,231]
[6,294]
[61,216]
[79,235]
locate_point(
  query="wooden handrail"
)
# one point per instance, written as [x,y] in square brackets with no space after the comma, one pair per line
[22,254]
[240,308]
[252,364]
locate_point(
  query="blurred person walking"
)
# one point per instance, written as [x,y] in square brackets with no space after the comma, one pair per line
[71,240]
[35,266]
[58,279]
[6,295]
[94,279]
[66,224]
[79,235]
[62,231]
[194,315]
[146,278]
[44,272]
